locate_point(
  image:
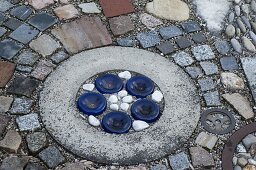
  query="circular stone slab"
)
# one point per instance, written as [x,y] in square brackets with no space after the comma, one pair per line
[62,118]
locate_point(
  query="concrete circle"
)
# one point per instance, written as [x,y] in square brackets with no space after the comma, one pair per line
[61,117]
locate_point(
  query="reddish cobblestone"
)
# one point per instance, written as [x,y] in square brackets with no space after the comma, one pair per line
[6,72]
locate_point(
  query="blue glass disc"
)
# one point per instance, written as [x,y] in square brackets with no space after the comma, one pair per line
[116,122]
[92,103]
[108,84]
[145,110]
[140,86]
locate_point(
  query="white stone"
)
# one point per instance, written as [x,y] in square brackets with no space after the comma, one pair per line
[237,1]
[93,121]
[252,161]
[139,125]
[114,107]
[89,8]
[125,75]
[113,99]
[127,99]
[124,107]
[157,96]
[88,87]
[206,140]
[234,160]
[122,93]
[240,148]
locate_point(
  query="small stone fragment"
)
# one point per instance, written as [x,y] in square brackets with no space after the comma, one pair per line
[200,157]
[139,125]
[124,106]
[36,141]
[89,8]
[122,93]
[232,81]
[93,121]
[125,75]
[5,103]
[240,148]
[157,96]
[11,141]
[127,99]
[249,140]
[114,107]
[206,140]
[51,156]
[242,162]
[113,99]
[88,87]
[28,122]
[150,21]
[179,161]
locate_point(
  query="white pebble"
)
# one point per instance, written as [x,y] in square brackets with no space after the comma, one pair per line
[139,125]
[127,99]
[157,96]
[122,93]
[240,148]
[113,99]
[114,107]
[88,87]
[124,106]
[93,121]
[252,161]
[125,75]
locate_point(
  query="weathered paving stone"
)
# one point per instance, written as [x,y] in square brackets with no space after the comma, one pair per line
[170,32]
[183,42]
[206,140]
[43,69]
[27,58]
[179,161]
[11,141]
[44,45]
[148,39]
[25,69]
[84,33]
[228,63]
[194,72]
[4,121]
[13,23]
[248,64]
[14,163]
[5,103]
[121,25]
[206,84]
[51,156]
[21,12]
[35,166]
[39,4]
[24,33]
[21,106]
[6,72]
[23,85]
[36,141]
[2,18]
[199,37]
[203,52]
[89,8]
[113,8]
[183,58]
[249,140]
[241,104]
[200,157]
[209,68]
[166,48]
[2,31]
[74,166]
[59,57]
[28,122]
[66,12]
[42,21]
[232,81]
[5,5]
[127,42]
[212,98]
[190,26]
[158,167]
[222,46]
[9,48]
[150,21]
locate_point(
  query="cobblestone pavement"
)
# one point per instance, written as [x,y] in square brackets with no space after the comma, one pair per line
[211,40]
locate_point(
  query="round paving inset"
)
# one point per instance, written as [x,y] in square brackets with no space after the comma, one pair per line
[61,117]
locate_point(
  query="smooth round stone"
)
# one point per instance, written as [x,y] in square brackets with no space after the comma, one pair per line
[139,125]
[93,121]
[140,86]
[116,122]
[114,107]
[125,75]
[236,45]
[127,99]
[230,30]
[157,96]
[113,99]
[60,115]
[248,44]
[237,10]
[92,103]
[88,87]
[145,110]
[122,93]
[124,106]
[231,17]
[108,84]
